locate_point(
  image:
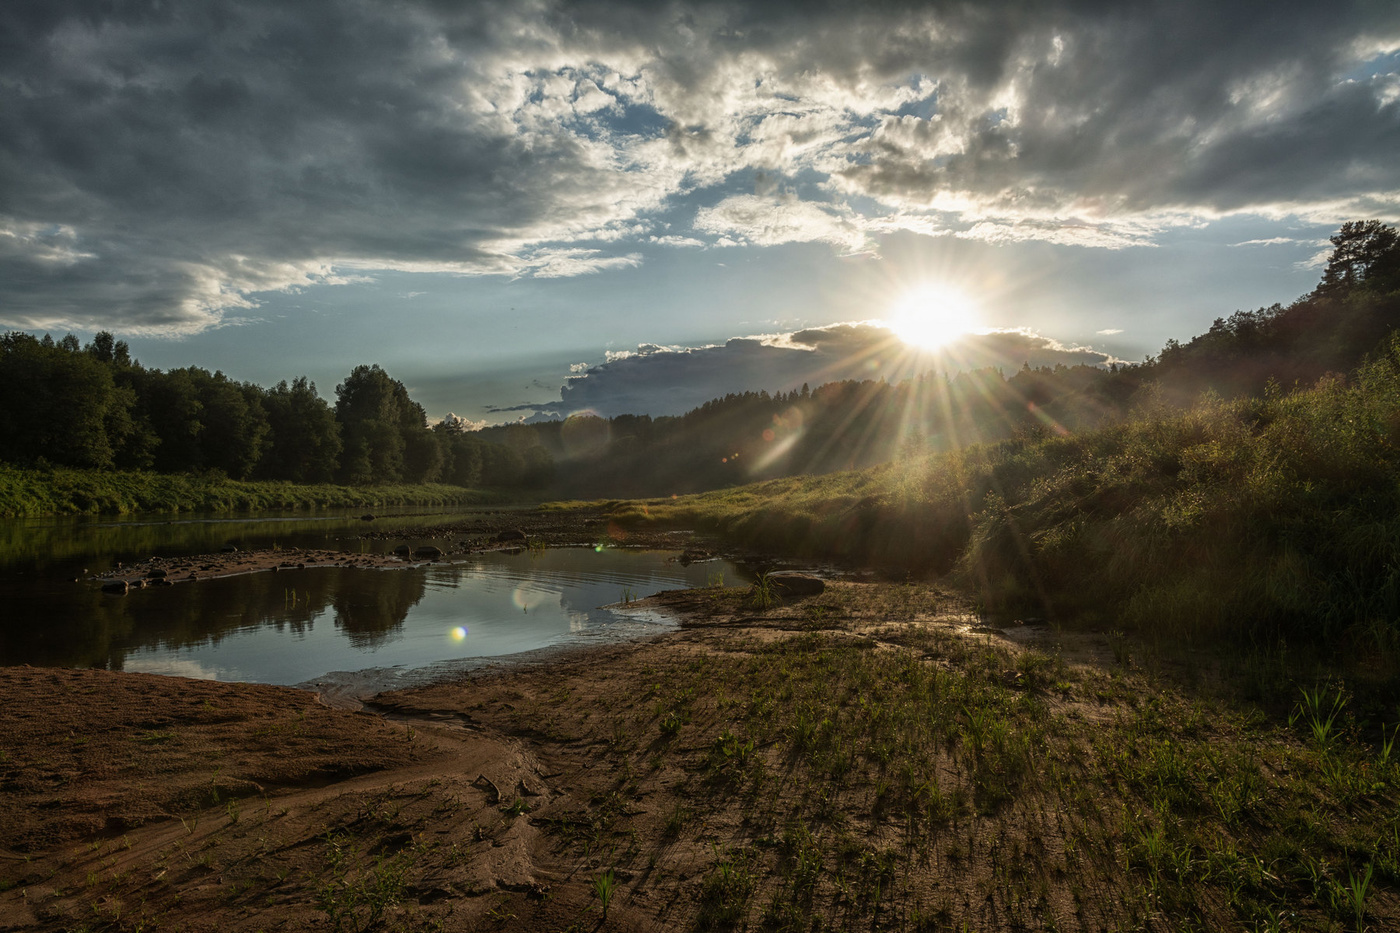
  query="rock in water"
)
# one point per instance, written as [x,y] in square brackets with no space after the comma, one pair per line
[511,534]
[429,552]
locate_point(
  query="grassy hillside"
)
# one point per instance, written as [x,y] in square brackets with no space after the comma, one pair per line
[1258,519]
[62,492]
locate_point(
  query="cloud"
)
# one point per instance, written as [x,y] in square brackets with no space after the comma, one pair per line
[770,221]
[158,172]
[458,423]
[1069,233]
[1270,241]
[563,263]
[1317,260]
[672,380]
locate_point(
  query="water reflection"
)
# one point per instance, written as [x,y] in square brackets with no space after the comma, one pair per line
[369,615]
[292,626]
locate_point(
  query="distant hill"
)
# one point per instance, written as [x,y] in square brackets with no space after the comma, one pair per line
[755,436]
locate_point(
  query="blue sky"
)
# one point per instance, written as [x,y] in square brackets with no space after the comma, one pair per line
[518,207]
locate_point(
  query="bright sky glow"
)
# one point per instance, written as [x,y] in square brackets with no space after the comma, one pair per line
[933,315]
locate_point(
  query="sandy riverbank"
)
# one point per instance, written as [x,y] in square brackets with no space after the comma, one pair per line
[204,805]
[869,758]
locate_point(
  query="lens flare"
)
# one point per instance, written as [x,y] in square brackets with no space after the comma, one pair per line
[459,633]
[932,316]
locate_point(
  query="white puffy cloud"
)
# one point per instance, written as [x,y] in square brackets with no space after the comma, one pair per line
[560,263]
[1068,232]
[769,221]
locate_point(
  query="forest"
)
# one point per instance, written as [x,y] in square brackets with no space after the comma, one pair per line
[94,407]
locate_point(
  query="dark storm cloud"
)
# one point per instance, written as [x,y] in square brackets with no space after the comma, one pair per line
[670,381]
[161,164]
[188,164]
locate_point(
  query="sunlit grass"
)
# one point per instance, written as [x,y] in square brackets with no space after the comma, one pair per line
[1256,520]
[878,770]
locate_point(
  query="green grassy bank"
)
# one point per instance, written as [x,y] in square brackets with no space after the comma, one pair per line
[1268,521]
[98,492]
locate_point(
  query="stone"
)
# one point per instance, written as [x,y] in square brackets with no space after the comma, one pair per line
[115,588]
[429,552]
[511,534]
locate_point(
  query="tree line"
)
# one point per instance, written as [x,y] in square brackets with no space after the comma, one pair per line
[754,436]
[94,407]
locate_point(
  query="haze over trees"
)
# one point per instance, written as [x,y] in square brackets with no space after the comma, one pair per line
[95,407]
[753,436]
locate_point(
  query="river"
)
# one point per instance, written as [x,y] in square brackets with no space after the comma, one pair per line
[319,625]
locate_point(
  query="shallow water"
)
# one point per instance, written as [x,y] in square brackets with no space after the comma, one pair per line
[296,627]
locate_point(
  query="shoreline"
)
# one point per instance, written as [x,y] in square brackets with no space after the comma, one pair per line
[488,530]
[869,757]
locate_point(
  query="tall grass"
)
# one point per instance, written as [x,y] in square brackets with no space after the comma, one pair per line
[65,492]
[1265,519]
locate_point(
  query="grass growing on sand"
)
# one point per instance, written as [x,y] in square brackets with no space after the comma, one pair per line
[1256,521]
[832,768]
[865,759]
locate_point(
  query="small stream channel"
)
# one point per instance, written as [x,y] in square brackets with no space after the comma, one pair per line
[328,628]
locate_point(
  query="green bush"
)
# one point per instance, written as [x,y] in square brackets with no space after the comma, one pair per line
[1253,520]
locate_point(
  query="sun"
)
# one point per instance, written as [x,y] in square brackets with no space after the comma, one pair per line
[931,316]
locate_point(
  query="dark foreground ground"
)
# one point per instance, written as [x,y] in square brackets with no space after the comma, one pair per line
[868,758]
